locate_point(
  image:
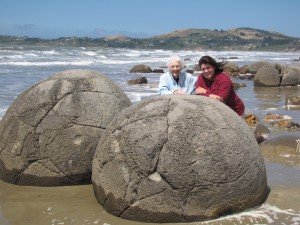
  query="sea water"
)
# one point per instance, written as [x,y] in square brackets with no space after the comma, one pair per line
[22,66]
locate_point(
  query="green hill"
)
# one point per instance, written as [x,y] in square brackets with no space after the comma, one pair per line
[189,39]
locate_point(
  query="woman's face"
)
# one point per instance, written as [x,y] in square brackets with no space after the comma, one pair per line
[208,71]
[175,69]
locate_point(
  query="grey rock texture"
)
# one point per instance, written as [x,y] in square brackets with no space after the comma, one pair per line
[292,100]
[49,134]
[267,76]
[290,76]
[254,67]
[139,80]
[178,159]
[141,68]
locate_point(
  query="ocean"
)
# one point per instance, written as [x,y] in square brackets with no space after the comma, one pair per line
[23,66]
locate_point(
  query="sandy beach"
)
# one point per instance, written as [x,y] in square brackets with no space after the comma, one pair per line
[24,205]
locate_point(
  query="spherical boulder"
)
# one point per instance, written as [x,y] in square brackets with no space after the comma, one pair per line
[254,67]
[267,76]
[290,76]
[49,134]
[141,68]
[178,158]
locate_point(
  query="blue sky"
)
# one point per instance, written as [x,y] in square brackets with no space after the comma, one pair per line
[137,18]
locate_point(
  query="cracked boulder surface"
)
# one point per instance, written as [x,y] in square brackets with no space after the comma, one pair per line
[49,134]
[178,158]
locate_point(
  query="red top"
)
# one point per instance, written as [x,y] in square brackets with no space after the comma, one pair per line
[222,86]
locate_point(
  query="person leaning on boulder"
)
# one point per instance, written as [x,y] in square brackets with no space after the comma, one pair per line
[175,81]
[214,83]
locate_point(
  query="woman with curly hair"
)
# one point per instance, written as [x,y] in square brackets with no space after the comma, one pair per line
[214,83]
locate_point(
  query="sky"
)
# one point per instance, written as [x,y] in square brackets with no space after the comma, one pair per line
[143,18]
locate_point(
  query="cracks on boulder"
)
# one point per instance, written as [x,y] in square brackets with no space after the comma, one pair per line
[136,202]
[114,94]
[56,101]
[55,170]
[167,140]
[251,164]
[155,170]
[89,125]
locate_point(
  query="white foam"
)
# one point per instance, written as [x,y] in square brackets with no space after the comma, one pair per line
[138,96]
[2,112]
[89,53]
[271,109]
[55,63]
[51,52]
[31,54]
[265,214]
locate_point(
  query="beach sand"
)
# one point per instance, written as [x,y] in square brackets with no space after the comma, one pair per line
[27,205]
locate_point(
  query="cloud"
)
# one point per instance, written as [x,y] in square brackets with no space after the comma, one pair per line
[24,26]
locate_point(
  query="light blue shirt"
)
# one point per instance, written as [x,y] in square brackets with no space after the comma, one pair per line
[167,83]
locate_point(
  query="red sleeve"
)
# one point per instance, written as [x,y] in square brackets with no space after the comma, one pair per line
[200,83]
[224,87]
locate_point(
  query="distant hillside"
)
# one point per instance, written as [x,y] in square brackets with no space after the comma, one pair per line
[190,39]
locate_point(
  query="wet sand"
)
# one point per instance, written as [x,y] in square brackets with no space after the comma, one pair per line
[26,205]
[77,205]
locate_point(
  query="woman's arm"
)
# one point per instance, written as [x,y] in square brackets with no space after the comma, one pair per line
[224,87]
[201,87]
[165,85]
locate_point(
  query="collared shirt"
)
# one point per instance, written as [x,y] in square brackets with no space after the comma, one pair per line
[167,83]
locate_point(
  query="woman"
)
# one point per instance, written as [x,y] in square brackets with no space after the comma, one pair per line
[175,81]
[214,83]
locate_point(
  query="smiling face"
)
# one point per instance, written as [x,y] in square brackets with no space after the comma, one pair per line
[208,71]
[175,68]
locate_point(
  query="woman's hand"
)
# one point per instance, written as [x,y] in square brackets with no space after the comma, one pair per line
[200,91]
[216,97]
[178,92]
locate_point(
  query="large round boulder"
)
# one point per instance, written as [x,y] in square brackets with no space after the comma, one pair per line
[141,68]
[254,67]
[290,76]
[178,159]
[49,134]
[267,76]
